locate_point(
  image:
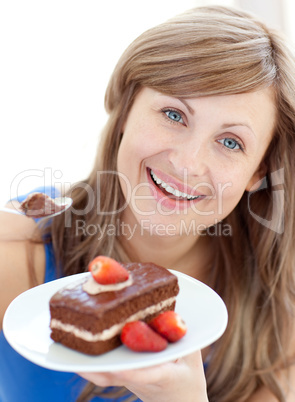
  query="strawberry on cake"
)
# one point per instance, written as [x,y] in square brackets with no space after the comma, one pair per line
[167,327]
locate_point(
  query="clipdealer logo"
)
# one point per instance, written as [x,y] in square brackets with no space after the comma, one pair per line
[50,178]
[276,223]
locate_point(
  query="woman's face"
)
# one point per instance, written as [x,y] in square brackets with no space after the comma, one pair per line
[187,162]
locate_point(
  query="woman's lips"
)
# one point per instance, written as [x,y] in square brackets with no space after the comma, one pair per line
[170,193]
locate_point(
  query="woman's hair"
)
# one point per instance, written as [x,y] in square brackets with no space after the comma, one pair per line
[210,51]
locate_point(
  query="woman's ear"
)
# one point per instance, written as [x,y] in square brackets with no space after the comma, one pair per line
[257,178]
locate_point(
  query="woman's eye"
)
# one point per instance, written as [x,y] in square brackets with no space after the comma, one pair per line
[230,143]
[174,116]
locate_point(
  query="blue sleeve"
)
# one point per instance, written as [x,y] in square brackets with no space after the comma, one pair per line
[23,381]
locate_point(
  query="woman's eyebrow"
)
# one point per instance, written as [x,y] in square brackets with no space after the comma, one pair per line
[228,125]
[224,126]
[191,110]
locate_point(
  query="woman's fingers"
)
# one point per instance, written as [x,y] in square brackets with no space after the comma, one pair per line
[172,379]
[101,379]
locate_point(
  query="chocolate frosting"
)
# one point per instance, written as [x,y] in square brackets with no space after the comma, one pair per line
[146,277]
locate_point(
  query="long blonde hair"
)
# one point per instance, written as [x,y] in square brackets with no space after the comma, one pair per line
[211,51]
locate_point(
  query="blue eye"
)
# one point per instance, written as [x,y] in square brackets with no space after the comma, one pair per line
[174,116]
[230,143]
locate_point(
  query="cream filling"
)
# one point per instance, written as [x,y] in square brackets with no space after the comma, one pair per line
[115,329]
[93,288]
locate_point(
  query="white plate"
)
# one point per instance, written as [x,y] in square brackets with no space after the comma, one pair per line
[26,327]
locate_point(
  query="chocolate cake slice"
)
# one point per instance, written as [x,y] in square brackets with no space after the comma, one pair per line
[92,323]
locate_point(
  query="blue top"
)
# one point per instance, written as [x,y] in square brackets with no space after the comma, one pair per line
[23,381]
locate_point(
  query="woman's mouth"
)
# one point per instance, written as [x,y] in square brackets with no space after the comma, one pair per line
[172,192]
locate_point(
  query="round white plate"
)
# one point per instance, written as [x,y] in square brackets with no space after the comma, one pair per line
[26,327]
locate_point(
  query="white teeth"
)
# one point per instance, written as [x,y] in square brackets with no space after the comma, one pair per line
[170,189]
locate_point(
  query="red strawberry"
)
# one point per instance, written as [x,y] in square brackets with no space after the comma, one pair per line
[139,337]
[106,271]
[170,325]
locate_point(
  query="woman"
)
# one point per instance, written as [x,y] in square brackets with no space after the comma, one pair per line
[201,127]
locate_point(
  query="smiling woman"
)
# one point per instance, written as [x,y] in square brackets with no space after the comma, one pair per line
[201,125]
[201,110]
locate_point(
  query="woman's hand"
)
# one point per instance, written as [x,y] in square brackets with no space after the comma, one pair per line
[181,380]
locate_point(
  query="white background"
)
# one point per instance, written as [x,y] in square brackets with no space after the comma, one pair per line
[55,61]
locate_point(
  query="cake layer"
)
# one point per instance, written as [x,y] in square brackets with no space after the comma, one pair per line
[78,344]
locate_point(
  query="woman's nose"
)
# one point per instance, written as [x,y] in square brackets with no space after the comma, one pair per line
[191,155]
